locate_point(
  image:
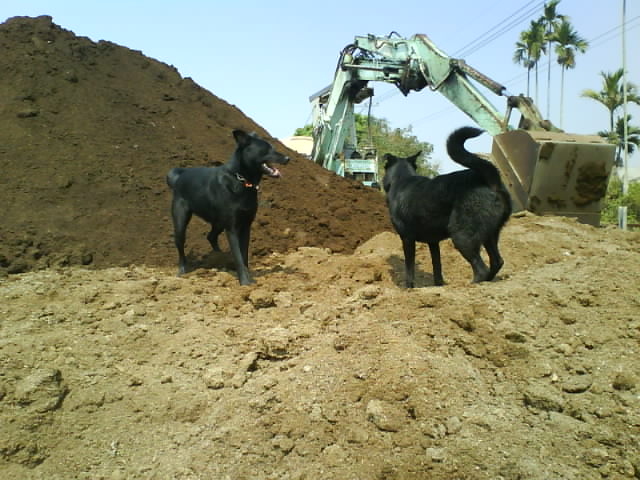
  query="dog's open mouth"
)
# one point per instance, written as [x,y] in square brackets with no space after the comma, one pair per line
[271,171]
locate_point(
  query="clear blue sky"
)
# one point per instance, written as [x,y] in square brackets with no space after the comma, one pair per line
[267,58]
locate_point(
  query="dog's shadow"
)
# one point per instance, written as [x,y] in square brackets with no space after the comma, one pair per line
[223,261]
[422,278]
[210,261]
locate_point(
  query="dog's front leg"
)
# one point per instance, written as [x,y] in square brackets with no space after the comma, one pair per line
[236,250]
[434,249]
[409,248]
[244,236]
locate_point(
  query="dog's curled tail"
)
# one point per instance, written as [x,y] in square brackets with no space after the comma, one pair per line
[172,176]
[459,154]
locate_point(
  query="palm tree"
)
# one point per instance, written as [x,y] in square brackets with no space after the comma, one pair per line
[550,21]
[612,95]
[529,49]
[616,137]
[568,43]
[521,56]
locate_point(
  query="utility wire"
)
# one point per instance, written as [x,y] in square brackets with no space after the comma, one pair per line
[500,29]
[481,41]
[593,43]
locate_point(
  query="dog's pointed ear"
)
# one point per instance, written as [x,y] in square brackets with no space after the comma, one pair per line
[413,160]
[389,160]
[242,137]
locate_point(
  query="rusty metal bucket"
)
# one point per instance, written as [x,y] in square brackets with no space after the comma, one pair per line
[552,173]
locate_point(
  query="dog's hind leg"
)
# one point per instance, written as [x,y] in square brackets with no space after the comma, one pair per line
[212,236]
[409,248]
[181,217]
[434,249]
[471,253]
[495,259]
[480,270]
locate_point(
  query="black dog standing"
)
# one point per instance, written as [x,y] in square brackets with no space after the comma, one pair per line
[468,206]
[225,196]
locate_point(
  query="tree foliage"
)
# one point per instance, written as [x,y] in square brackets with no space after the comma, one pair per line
[568,44]
[550,21]
[306,131]
[398,141]
[611,94]
[376,132]
[551,28]
[615,199]
[529,50]
[616,137]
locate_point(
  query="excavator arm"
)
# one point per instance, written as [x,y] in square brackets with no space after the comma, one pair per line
[577,166]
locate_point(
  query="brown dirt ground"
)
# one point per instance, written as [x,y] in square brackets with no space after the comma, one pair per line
[113,368]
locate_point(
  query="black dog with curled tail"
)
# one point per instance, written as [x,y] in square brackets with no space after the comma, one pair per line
[469,206]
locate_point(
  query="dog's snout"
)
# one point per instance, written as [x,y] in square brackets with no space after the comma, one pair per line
[285,159]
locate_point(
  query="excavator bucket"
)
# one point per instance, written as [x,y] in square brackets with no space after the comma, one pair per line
[552,173]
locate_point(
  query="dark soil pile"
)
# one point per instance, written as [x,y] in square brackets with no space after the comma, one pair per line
[87,133]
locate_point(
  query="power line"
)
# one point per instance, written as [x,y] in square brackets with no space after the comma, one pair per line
[481,41]
[619,27]
[592,44]
[544,67]
[490,35]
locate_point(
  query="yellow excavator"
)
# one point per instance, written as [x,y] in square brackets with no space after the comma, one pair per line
[547,171]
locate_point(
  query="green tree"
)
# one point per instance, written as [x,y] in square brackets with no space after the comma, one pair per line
[550,21]
[568,44]
[529,50]
[611,94]
[377,133]
[615,199]
[399,141]
[616,137]
[306,131]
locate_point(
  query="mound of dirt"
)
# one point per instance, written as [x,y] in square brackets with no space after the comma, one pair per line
[88,132]
[327,369]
